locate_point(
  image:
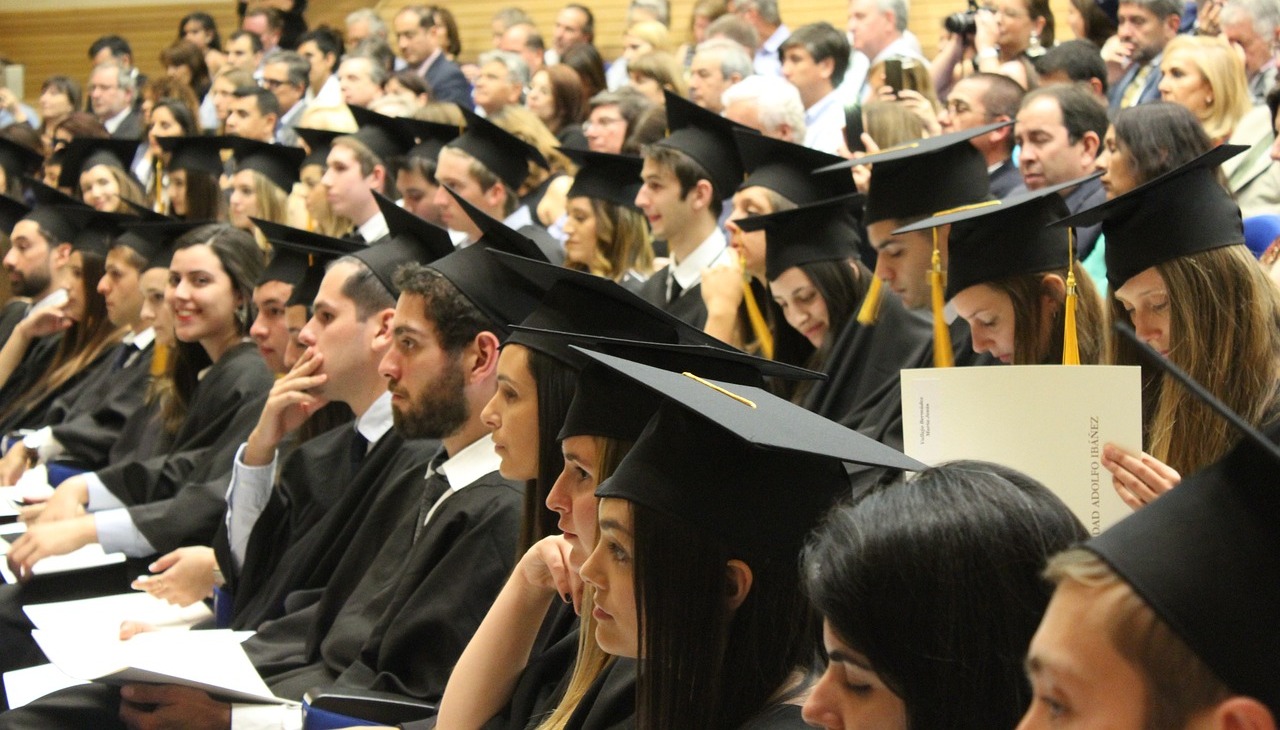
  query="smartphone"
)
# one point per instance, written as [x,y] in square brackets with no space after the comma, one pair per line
[853,128]
[893,74]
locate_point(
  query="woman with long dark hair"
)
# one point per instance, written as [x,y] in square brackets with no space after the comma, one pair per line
[929,593]
[605,234]
[192,165]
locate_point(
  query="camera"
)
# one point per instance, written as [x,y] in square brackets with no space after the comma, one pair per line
[962,23]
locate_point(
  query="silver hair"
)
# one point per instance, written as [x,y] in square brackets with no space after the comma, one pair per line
[377,25]
[778,101]
[517,69]
[297,67]
[733,59]
[124,79]
[1264,14]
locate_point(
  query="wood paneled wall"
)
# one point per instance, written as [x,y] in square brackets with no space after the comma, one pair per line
[55,41]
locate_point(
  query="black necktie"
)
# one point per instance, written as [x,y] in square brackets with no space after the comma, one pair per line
[122,357]
[354,235]
[674,288]
[433,489]
[359,448]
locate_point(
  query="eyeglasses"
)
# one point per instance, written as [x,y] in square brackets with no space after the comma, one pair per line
[273,83]
[601,122]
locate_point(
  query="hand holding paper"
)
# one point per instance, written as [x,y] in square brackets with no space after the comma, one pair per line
[1138,479]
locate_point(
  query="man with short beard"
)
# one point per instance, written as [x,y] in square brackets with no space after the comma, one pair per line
[40,244]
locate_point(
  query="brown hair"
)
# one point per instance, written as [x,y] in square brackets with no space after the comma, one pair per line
[1225,332]
[1027,293]
[661,67]
[622,241]
[566,95]
[1179,684]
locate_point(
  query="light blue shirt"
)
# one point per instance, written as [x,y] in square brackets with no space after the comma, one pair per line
[768,61]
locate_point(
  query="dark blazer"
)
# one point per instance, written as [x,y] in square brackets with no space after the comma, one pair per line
[1005,178]
[130,127]
[448,84]
[1150,90]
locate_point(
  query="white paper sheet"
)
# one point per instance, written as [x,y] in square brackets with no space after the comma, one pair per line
[22,686]
[106,613]
[1049,421]
[212,661]
[89,556]
[32,486]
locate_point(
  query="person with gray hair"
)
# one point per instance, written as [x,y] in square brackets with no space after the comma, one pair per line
[718,63]
[364,23]
[111,93]
[361,79]
[764,17]
[286,74]
[1144,28]
[768,104]
[878,29]
[640,10]
[1252,25]
[503,78]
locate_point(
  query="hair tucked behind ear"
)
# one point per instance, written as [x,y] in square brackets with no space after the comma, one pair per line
[555,383]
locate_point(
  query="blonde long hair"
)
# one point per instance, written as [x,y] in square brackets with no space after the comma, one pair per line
[1027,292]
[1223,70]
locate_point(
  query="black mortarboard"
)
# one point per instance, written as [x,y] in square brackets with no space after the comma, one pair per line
[615,178]
[505,154]
[1181,212]
[151,238]
[403,224]
[822,231]
[144,212]
[96,231]
[1002,238]
[422,244]
[609,404]
[194,154]
[387,137]
[46,195]
[578,302]
[18,160]
[495,230]
[1205,557]
[926,176]
[300,257]
[12,211]
[83,153]
[318,143]
[707,138]
[788,169]
[431,136]
[278,162]
[776,470]
[50,212]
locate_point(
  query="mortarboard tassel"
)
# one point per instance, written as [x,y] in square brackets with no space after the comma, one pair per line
[159,359]
[159,204]
[870,308]
[943,357]
[758,326]
[1070,346]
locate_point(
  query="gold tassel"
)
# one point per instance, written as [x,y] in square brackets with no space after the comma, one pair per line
[943,357]
[1070,345]
[758,325]
[870,309]
[159,204]
[159,359]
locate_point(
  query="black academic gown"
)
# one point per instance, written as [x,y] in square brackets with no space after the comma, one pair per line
[545,678]
[401,623]
[610,701]
[88,419]
[688,306]
[35,362]
[12,313]
[318,505]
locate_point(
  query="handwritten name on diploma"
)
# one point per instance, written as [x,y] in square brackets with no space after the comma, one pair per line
[926,424]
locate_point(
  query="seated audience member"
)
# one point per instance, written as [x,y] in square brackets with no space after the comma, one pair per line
[1091,21]
[556,97]
[1251,26]
[814,59]
[606,234]
[200,29]
[718,64]
[543,190]
[1144,28]
[767,104]
[60,96]
[501,83]
[654,72]
[965,591]
[322,49]
[286,75]
[99,170]
[585,60]
[264,174]
[361,78]
[611,118]
[983,99]
[639,38]
[1074,62]
[421,35]
[358,165]
[703,14]
[252,112]
[193,167]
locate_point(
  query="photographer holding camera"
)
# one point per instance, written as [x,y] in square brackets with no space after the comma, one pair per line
[1002,38]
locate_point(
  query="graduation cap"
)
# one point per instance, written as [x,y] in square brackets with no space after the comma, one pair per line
[195,154]
[495,230]
[318,143]
[300,257]
[12,211]
[403,224]
[707,138]
[788,169]
[609,404]
[431,136]
[822,231]
[1205,557]
[277,162]
[613,178]
[84,153]
[18,160]
[48,212]
[152,238]
[385,136]
[95,230]
[1179,213]
[505,154]
[777,466]
[578,302]
[925,176]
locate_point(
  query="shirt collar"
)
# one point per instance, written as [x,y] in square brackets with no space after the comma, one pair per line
[519,219]
[820,107]
[422,68]
[114,123]
[374,228]
[775,40]
[374,423]
[467,466]
[142,340]
[689,271]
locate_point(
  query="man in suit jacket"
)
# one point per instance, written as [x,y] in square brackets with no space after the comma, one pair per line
[111,93]
[420,39]
[979,100]
[1145,28]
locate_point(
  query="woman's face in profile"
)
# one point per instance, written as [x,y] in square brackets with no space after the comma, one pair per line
[850,695]
[1119,175]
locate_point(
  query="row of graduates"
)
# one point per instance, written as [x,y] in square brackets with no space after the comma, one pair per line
[786,256]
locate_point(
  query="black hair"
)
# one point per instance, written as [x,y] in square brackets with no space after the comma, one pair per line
[118,45]
[364,289]
[1078,59]
[1082,112]
[207,22]
[266,101]
[842,285]
[555,383]
[181,114]
[589,27]
[938,582]
[254,41]
[205,201]
[327,40]
[456,320]
[687,171]
[1160,136]
[822,41]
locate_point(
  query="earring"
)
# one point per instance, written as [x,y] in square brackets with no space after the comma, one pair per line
[1035,50]
[1208,101]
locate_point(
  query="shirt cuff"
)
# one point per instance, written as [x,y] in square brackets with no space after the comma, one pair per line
[100,498]
[118,534]
[247,497]
[266,717]
[44,443]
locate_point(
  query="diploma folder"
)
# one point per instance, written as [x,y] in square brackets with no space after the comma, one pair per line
[1047,421]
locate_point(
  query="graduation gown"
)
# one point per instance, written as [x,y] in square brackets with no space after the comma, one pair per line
[546,676]
[34,363]
[88,419]
[12,313]
[316,509]
[240,377]
[400,624]
[688,306]
[610,701]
